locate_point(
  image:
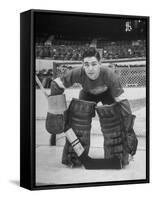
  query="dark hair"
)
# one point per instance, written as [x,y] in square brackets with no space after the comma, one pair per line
[91,51]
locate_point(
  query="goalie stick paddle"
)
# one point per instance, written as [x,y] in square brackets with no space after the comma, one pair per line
[87,161]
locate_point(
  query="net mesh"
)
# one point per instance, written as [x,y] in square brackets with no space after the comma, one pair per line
[130,76]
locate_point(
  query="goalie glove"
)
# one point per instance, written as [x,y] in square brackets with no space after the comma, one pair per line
[128,119]
[56,120]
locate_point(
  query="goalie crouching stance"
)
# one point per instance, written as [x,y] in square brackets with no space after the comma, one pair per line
[99,84]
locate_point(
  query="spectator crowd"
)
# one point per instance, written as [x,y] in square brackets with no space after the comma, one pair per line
[110,50]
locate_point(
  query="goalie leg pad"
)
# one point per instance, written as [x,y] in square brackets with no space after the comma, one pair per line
[80,117]
[69,157]
[110,122]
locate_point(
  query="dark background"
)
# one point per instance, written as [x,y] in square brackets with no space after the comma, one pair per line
[79,27]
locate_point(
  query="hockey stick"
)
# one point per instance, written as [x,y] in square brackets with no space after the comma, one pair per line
[41,86]
[87,161]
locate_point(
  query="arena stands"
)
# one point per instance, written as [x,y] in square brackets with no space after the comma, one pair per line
[123,49]
[65,50]
[62,52]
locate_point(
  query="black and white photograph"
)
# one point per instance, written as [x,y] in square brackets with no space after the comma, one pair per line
[90,98]
[91,87]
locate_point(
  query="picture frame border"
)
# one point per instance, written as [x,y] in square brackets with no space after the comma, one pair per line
[28,97]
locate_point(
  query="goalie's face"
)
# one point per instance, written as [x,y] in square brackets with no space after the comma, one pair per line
[92,67]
